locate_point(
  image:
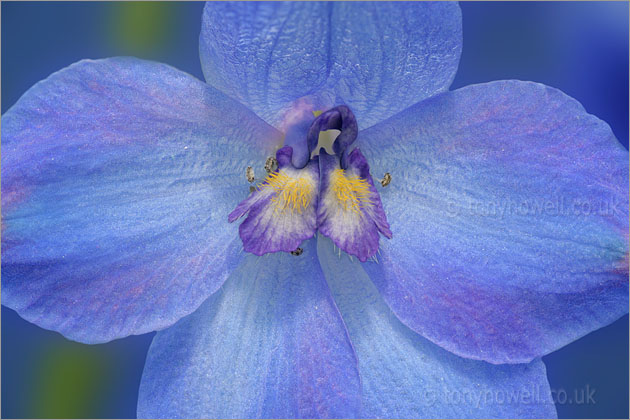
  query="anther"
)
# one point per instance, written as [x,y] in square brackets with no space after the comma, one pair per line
[387,178]
[271,164]
[297,252]
[249,172]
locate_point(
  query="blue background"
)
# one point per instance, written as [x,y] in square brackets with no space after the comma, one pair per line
[580,48]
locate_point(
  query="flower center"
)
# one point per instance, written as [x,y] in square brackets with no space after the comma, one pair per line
[325,189]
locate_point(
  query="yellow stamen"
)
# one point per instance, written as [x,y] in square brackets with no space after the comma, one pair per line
[289,193]
[317,113]
[353,193]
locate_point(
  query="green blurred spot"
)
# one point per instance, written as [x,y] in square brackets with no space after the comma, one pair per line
[139,28]
[71,380]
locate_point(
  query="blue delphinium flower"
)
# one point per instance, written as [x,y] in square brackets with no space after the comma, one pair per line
[502,236]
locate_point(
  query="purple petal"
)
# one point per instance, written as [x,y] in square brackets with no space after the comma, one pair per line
[270,344]
[376,57]
[509,209]
[338,118]
[282,210]
[296,125]
[350,210]
[117,178]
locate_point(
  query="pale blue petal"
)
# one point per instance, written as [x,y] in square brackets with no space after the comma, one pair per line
[117,179]
[406,376]
[269,344]
[376,57]
[509,213]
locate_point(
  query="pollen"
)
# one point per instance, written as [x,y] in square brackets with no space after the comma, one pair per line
[292,194]
[353,193]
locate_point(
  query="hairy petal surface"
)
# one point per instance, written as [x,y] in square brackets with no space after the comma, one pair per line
[376,57]
[406,376]
[269,344]
[117,179]
[509,213]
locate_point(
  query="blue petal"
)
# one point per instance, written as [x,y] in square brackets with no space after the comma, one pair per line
[406,376]
[509,213]
[376,57]
[266,55]
[117,179]
[269,344]
[386,56]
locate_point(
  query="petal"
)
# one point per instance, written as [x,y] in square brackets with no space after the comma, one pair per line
[339,118]
[406,376]
[388,55]
[282,210]
[117,179]
[296,125]
[509,209]
[378,58]
[266,55]
[270,344]
[350,210]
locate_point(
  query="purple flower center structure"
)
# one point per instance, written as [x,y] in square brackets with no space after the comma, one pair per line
[332,194]
[504,208]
